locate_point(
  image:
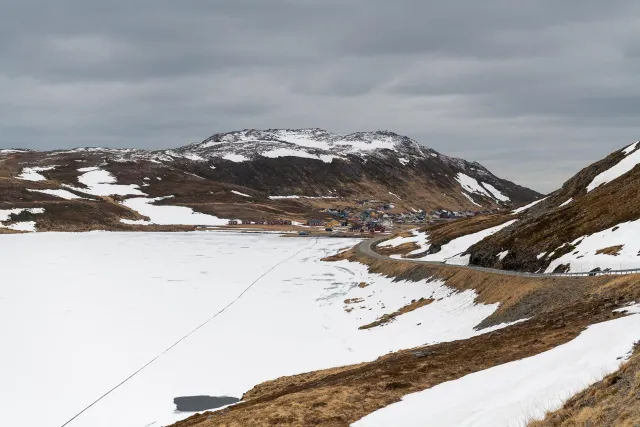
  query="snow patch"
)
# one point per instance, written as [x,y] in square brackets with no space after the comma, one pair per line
[630,149]
[240,194]
[283,197]
[625,165]
[31,174]
[30,226]
[100,182]
[502,255]
[470,199]
[237,158]
[496,193]
[529,206]
[63,194]
[395,195]
[287,152]
[451,253]
[567,202]
[584,258]
[420,238]
[471,184]
[169,215]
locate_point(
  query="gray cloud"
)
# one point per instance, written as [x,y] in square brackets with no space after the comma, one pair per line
[533,90]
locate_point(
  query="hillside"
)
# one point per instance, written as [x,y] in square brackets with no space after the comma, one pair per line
[272,174]
[590,223]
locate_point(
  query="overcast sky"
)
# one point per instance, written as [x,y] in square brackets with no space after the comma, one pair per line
[533,89]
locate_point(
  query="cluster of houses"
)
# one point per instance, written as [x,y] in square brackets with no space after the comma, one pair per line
[444,214]
[376,218]
[261,222]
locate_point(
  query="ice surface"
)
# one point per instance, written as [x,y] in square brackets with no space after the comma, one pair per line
[511,394]
[100,305]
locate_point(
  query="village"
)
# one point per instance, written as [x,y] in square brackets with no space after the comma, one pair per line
[370,216]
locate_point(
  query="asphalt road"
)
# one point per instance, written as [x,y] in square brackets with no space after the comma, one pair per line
[366,248]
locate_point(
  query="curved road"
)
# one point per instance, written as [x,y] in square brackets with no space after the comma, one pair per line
[366,248]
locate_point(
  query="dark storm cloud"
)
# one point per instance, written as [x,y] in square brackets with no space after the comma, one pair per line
[534,90]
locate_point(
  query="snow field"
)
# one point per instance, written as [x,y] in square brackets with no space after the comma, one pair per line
[511,394]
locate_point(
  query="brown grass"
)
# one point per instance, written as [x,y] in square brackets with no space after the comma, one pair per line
[402,249]
[611,250]
[387,318]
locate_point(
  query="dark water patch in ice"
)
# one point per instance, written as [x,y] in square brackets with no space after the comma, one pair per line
[202,403]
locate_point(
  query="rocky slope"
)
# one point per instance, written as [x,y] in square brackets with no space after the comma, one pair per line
[247,174]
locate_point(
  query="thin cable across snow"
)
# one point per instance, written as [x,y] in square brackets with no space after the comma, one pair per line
[190,333]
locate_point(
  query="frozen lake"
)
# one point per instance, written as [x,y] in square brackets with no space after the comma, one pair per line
[79,313]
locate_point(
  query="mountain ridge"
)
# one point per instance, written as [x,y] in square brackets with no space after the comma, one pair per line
[239,175]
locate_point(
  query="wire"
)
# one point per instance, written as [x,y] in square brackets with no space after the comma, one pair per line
[189,334]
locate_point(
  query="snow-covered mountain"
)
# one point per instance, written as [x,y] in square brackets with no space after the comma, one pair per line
[249,174]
